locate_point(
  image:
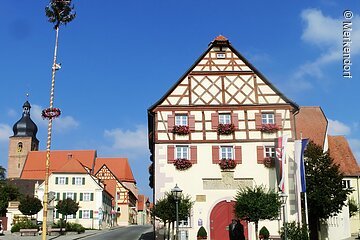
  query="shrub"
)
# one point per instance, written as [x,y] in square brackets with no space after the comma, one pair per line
[295,232]
[70,227]
[264,233]
[23,224]
[202,234]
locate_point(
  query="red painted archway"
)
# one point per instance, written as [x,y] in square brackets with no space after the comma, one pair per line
[220,218]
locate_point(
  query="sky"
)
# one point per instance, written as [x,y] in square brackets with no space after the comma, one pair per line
[119,57]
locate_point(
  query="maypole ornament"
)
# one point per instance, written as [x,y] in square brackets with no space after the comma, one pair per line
[50,113]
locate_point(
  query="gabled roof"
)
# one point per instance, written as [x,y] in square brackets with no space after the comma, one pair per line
[119,167]
[310,122]
[223,41]
[34,167]
[340,151]
[71,166]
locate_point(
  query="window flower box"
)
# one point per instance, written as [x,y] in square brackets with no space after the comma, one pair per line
[269,128]
[181,130]
[226,164]
[225,129]
[182,164]
[269,162]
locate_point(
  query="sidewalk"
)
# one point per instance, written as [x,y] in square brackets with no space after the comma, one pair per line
[71,236]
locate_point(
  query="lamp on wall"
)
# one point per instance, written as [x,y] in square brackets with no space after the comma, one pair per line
[176,192]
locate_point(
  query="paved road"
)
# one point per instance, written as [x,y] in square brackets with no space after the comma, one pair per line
[122,233]
[128,233]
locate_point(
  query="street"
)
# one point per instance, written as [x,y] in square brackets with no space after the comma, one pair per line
[134,232]
[127,233]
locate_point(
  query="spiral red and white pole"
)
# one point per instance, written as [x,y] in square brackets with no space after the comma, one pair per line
[48,143]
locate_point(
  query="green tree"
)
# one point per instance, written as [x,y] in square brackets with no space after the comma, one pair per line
[67,207]
[353,208]
[295,232]
[2,174]
[165,209]
[254,204]
[30,205]
[325,199]
[8,193]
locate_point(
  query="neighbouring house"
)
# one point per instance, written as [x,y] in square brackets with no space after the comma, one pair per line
[116,174]
[74,181]
[213,132]
[341,152]
[312,123]
[107,175]
[143,207]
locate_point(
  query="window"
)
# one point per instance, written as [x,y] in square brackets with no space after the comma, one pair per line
[346,184]
[267,118]
[220,55]
[226,153]
[181,120]
[69,195]
[224,118]
[78,181]
[185,223]
[87,197]
[270,152]
[62,180]
[85,213]
[20,147]
[182,152]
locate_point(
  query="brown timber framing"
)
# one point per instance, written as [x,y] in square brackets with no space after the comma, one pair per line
[281,106]
[271,140]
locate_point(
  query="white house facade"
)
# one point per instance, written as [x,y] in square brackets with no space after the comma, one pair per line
[222,111]
[95,203]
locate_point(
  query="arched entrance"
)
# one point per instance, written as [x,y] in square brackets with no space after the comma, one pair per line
[220,218]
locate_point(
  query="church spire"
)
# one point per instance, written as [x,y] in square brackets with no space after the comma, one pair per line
[25,127]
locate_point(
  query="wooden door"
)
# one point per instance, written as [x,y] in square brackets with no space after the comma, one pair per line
[220,218]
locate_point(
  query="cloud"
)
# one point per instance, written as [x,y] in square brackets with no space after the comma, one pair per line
[131,142]
[12,113]
[5,132]
[61,124]
[325,33]
[355,147]
[338,128]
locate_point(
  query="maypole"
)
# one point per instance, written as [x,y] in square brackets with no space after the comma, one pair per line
[58,12]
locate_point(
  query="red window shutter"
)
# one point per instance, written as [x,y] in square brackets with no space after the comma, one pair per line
[192,122]
[238,155]
[170,154]
[278,120]
[258,120]
[193,154]
[171,122]
[214,120]
[260,154]
[235,120]
[215,154]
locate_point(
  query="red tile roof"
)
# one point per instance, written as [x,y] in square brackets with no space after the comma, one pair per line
[71,166]
[119,167]
[341,152]
[311,123]
[34,167]
[141,202]
[221,38]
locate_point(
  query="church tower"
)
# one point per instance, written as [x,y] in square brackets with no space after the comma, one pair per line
[23,141]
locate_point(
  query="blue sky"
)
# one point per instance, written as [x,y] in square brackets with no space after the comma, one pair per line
[120,57]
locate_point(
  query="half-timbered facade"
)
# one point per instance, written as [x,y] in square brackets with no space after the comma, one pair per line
[117,176]
[214,132]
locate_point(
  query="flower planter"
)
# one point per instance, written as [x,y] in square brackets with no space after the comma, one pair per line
[227,164]
[182,164]
[269,162]
[181,130]
[269,128]
[225,129]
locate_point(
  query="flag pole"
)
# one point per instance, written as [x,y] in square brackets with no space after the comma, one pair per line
[306,211]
